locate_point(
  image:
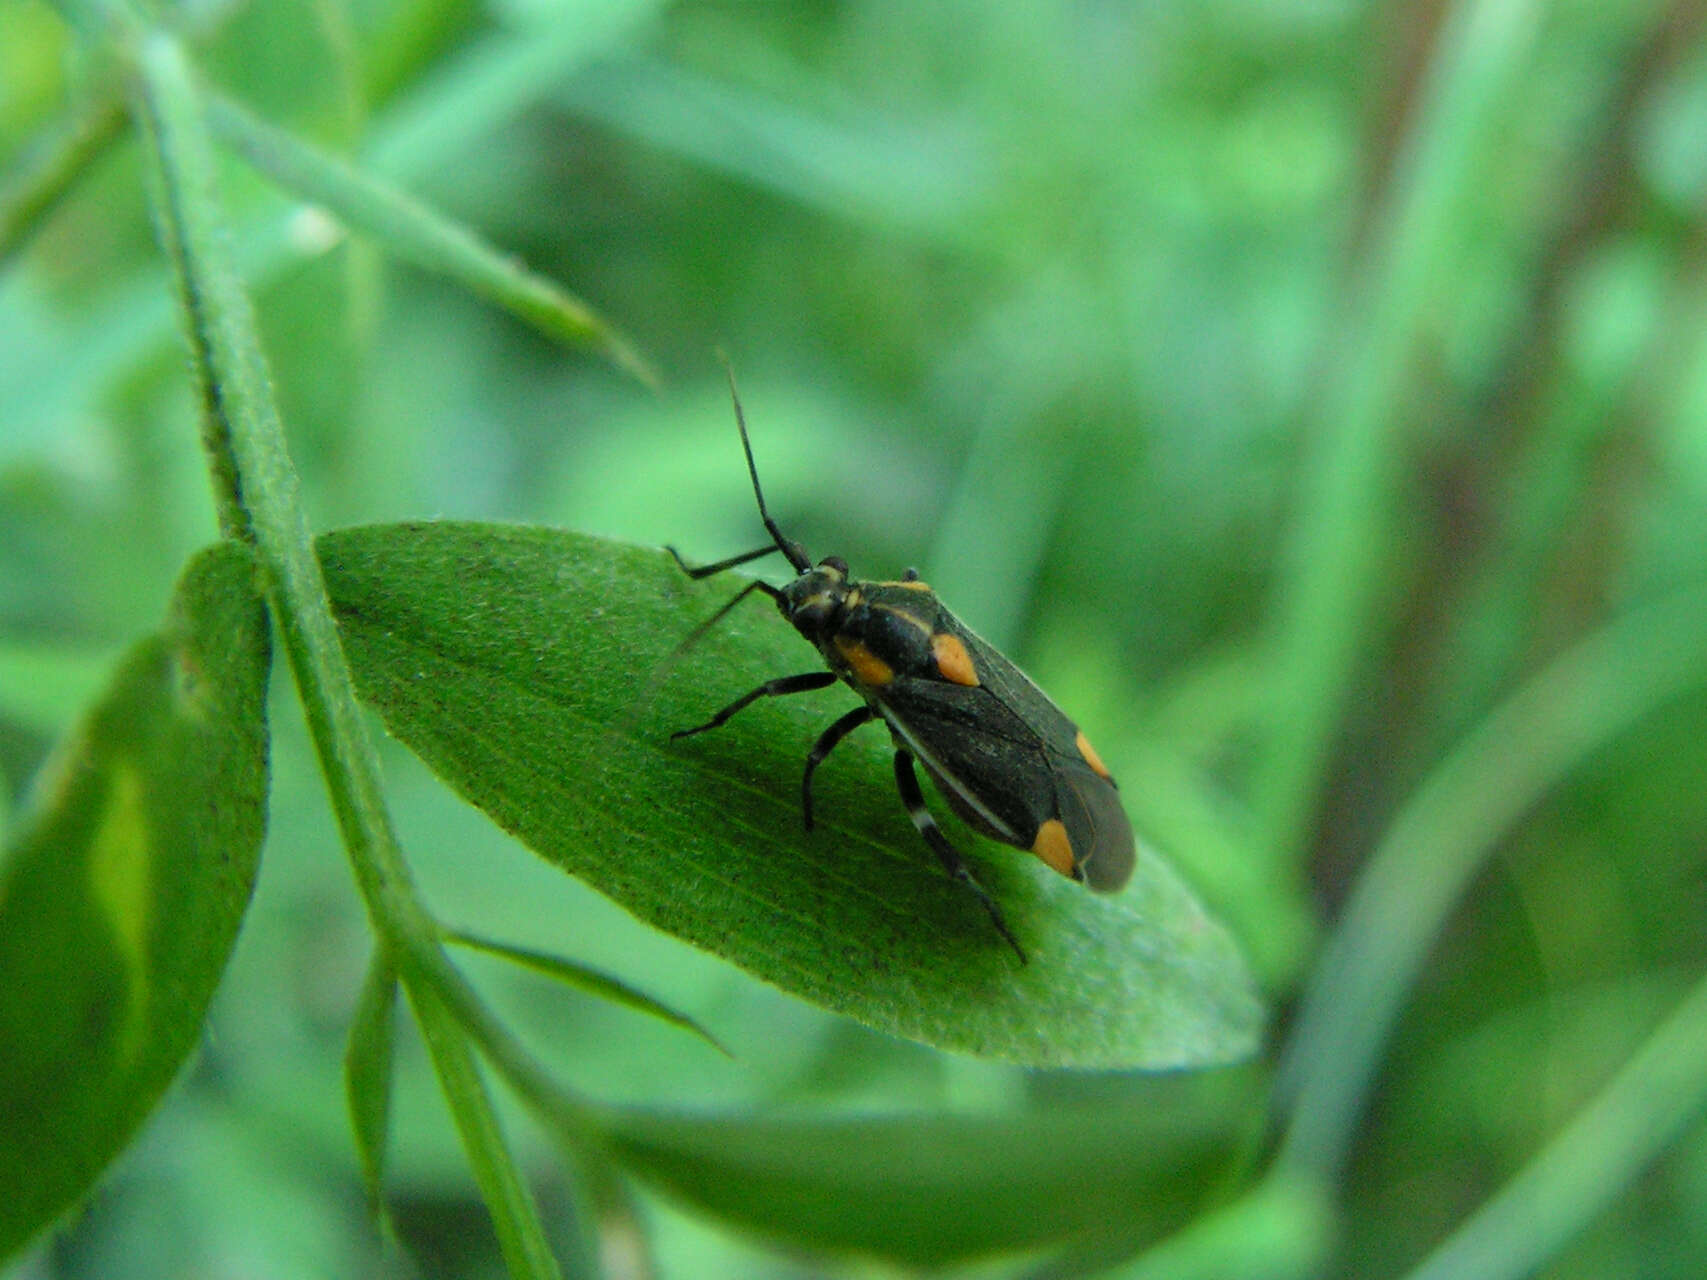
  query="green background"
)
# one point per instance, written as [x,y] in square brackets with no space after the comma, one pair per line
[1285,385]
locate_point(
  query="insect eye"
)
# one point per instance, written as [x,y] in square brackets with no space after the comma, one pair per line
[834,562]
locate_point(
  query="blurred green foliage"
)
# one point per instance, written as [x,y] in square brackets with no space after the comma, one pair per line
[1310,395]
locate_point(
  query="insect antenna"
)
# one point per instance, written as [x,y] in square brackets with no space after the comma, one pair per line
[699,633]
[793,550]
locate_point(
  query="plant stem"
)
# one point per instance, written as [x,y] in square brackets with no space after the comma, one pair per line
[258,496]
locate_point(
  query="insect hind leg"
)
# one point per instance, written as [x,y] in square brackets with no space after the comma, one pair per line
[952,861]
[827,743]
[769,689]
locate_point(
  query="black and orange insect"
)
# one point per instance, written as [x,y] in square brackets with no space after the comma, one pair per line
[1006,758]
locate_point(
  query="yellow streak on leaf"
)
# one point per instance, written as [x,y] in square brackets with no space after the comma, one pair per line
[120,868]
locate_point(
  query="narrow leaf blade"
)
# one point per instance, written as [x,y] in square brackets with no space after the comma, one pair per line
[584,978]
[531,668]
[410,229]
[368,1074]
[123,892]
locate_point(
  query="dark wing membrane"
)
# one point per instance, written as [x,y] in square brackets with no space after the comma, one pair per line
[987,761]
[1013,688]
[1096,822]
[1008,734]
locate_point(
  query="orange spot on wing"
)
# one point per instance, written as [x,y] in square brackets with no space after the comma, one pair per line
[952,660]
[867,667]
[1091,757]
[1053,847]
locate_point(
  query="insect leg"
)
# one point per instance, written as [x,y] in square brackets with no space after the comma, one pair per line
[698,633]
[769,689]
[826,744]
[952,862]
[706,570]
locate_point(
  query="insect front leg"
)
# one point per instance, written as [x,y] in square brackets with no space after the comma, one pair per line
[908,783]
[826,744]
[769,689]
[699,633]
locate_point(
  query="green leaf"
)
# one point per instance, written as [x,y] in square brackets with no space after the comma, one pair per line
[933,1190]
[584,978]
[122,895]
[531,669]
[367,1073]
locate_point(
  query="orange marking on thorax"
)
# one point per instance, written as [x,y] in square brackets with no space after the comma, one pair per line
[867,667]
[1091,757]
[952,660]
[1053,847]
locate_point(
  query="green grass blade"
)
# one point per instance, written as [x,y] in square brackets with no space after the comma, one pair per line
[531,669]
[1590,1163]
[1442,837]
[1333,573]
[121,897]
[485,83]
[920,177]
[585,978]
